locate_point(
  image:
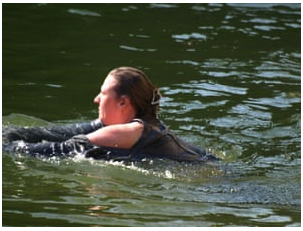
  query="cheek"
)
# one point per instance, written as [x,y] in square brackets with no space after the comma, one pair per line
[106,106]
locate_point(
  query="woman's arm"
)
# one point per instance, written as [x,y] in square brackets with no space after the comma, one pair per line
[50,133]
[122,136]
[118,136]
[69,148]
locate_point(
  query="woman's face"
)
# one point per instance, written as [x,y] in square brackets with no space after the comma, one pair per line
[108,101]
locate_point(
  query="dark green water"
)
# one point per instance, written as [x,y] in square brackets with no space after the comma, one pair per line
[231,80]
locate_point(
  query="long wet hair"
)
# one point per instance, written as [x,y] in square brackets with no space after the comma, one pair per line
[144,96]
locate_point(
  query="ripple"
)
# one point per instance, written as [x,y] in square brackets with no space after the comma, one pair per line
[273,219]
[263,20]
[84,12]
[268,28]
[280,101]
[129,8]
[186,62]
[53,85]
[194,35]
[163,5]
[130,48]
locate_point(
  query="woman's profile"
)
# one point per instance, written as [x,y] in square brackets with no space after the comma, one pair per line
[127,127]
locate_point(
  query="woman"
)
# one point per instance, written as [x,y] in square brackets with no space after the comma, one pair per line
[127,128]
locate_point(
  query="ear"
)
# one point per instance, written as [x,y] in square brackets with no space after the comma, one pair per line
[124,100]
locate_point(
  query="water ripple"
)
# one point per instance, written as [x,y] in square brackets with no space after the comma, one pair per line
[83,12]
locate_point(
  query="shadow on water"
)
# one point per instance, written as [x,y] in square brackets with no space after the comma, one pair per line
[230,76]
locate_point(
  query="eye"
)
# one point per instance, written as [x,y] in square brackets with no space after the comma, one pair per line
[102,91]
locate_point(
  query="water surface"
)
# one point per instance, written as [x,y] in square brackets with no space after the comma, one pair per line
[230,75]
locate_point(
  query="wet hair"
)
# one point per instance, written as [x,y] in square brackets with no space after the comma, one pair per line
[144,96]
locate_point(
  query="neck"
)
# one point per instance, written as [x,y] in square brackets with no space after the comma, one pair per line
[128,115]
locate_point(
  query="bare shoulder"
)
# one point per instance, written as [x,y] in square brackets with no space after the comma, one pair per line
[124,129]
[118,135]
[128,126]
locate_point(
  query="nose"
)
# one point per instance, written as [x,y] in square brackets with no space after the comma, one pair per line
[97,99]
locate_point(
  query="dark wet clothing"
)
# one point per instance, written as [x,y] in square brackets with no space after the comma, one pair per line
[60,141]
[69,140]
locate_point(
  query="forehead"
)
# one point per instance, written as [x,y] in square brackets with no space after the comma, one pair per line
[109,83]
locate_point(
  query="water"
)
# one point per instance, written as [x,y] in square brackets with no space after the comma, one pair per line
[230,75]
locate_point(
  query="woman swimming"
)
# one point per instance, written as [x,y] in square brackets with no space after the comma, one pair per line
[127,128]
